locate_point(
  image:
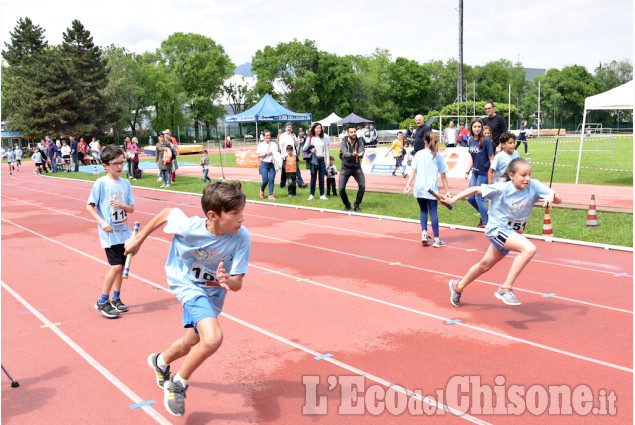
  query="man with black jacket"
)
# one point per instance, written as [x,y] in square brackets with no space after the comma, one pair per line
[496,123]
[422,129]
[352,150]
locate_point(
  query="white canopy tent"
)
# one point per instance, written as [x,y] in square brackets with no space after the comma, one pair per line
[326,122]
[618,98]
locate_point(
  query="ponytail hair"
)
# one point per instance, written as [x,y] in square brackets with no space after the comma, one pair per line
[513,167]
[432,140]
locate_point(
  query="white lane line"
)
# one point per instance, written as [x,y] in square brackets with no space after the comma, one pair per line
[137,399]
[529,291]
[412,310]
[334,251]
[89,359]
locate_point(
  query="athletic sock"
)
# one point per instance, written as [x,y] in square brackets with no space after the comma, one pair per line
[103,299]
[178,378]
[115,294]
[161,363]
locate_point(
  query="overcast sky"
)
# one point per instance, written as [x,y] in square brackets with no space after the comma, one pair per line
[541,33]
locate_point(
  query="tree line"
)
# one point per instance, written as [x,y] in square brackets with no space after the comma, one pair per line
[83,89]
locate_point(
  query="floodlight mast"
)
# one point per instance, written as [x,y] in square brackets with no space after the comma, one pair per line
[460,86]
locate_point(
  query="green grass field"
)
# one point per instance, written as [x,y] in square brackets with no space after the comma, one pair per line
[614,228]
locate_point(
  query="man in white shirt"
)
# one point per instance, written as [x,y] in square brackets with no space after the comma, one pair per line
[449,135]
[289,139]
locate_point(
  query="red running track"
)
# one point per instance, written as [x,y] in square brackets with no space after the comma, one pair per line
[361,289]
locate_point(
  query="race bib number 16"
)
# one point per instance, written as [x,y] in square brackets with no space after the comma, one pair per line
[200,273]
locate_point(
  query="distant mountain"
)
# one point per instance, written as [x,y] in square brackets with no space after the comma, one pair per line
[244,70]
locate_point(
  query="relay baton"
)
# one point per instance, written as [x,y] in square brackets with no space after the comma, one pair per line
[436,195]
[126,268]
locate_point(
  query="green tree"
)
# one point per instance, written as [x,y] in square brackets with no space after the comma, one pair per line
[93,109]
[613,74]
[410,86]
[372,91]
[201,67]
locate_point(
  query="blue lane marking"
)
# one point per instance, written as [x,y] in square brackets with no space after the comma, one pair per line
[620,274]
[143,403]
[323,356]
[549,295]
[451,322]
[27,312]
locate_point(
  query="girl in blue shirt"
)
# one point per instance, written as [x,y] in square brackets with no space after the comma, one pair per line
[426,166]
[482,153]
[511,205]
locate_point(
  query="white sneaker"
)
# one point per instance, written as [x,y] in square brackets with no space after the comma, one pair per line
[159,179]
[163,185]
[310,198]
[438,243]
[324,198]
[425,239]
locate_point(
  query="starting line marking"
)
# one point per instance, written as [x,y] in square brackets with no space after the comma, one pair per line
[143,403]
[549,295]
[28,312]
[453,321]
[50,324]
[323,356]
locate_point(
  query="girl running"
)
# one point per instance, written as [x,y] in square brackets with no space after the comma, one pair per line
[511,206]
[425,167]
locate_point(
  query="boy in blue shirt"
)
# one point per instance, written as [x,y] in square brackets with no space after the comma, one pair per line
[207,257]
[18,156]
[109,203]
[9,156]
[37,160]
[503,158]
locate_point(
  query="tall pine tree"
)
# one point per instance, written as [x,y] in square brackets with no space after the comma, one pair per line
[87,69]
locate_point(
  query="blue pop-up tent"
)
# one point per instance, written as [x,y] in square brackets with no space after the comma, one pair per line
[267,110]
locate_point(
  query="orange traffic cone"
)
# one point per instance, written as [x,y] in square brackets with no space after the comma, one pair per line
[592,216]
[547,230]
[95,171]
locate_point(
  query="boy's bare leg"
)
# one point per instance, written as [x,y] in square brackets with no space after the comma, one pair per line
[111,278]
[210,338]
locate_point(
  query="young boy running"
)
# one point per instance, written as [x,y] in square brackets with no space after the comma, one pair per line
[18,156]
[109,204]
[207,257]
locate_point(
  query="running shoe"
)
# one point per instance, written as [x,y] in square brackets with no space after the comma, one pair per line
[310,198]
[507,296]
[324,198]
[425,239]
[107,310]
[119,305]
[271,198]
[262,194]
[455,295]
[162,375]
[438,243]
[174,397]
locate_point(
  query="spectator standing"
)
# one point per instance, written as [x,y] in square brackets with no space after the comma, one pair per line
[174,165]
[66,155]
[205,165]
[301,138]
[52,154]
[319,144]
[290,164]
[82,147]
[463,136]
[450,135]
[422,129]
[331,172]
[95,149]
[74,156]
[267,169]
[482,154]
[289,139]
[370,136]
[495,122]
[134,149]
[410,135]
[128,155]
[352,150]
[522,137]
[164,167]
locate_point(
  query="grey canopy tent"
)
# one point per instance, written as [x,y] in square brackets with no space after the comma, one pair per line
[267,110]
[353,119]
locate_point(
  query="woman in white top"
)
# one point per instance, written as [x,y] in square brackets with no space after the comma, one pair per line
[321,144]
[267,170]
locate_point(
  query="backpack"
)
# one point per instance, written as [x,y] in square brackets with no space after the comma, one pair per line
[167,155]
[173,150]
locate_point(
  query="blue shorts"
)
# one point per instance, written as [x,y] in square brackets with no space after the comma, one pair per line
[198,308]
[499,239]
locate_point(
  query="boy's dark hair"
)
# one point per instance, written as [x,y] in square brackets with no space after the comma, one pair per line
[223,196]
[205,151]
[110,152]
[290,148]
[331,158]
[506,136]
[400,132]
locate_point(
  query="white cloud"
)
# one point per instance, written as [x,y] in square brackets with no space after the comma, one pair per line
[543,33]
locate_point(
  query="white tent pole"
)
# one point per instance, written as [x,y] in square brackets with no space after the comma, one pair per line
[509,107]
[577,173]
